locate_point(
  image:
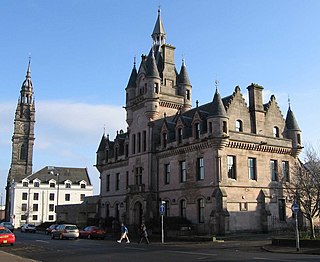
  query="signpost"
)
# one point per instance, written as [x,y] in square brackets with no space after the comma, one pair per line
[295,210]
[161,210]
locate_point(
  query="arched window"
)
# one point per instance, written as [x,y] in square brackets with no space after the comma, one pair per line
[239,127]
[276,131]
[23,152]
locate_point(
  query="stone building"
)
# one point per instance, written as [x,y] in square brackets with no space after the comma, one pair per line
[219,164]
[33,197]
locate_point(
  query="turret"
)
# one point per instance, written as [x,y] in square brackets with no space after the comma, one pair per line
[158,34]
[131,92]
[185,87]
[293,132]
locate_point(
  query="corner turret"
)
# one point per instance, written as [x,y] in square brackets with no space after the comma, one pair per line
[293,132]
[185,87]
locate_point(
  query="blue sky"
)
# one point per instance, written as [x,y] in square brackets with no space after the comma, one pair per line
[82,55]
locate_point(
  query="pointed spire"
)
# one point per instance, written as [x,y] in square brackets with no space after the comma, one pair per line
[158,34]
[218,108]
[152,69]
[26,91]
[291,122]
[133,76]
[183,75]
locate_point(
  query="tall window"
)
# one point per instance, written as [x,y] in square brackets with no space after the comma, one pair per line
[24,207]
[144,139]
[276,131]
[126,150]
[210,127]
[201,210]
[188,94]
[116,153]
[117,212]
[299,138]
[197,130]
[225,127]
[167,171]
[165,139]
[273,170]
[139,142]
[183,171]
[239,127]
[282,209]
[24,196]
[200,168]
[252,168]
[34,217]
[133,144]
[117,181]
[108,183]
[127,179]
[179,135]
[23,152]
[183,208]
[138,176]
[35,196]
[232,167]
[107,210]
[285,171]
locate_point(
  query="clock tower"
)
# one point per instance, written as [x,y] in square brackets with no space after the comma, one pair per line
[22,140]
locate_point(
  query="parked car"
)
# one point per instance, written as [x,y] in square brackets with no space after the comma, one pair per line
[28,228]
[92,232]
[6,236]
[65,231]
[7,225]
[50,228]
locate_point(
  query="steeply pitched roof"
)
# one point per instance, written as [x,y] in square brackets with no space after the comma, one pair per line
[152,70]
[158,28]
[183,76]
[218,108]
[291,122]
[133,77]
[75,175]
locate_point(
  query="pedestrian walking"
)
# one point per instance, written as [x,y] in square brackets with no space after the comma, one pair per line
[143,234]
[124,233]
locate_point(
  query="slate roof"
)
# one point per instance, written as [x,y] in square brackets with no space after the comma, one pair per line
[291,122]
[133,77]
[183,76]
[75,175]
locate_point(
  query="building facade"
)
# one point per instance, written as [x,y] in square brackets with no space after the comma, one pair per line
[33,197]
[220,164]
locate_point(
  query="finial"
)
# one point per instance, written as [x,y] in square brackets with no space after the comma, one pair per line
[159,9]
[134,61]
[183,60]
[197,103]
[217,84]
[289,101]
[108,136]
[104,130]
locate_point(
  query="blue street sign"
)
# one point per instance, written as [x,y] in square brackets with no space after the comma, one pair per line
[295,207]
[161,209]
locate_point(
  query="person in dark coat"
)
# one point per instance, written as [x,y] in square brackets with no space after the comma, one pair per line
[143,234]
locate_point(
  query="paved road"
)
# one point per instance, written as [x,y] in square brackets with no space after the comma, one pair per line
[41,248]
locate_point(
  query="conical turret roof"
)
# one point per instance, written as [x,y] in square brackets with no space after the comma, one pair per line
[152,69]
[133,77]
[217,108]
[291,122]
[183,75]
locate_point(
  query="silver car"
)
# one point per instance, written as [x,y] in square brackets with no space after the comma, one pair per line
[65,231]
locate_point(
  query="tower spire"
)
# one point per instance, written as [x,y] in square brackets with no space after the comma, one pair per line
[158,34]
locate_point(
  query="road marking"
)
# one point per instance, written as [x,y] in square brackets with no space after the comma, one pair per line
[193,253]
[272,259]
[43,241]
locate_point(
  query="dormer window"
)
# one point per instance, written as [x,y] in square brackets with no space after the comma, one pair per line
[83,185]
[36,184]
[179,135]
[239,127]
[68,185]
[52,185]
[164,139]
[25,184]
[197,130]
[275,131]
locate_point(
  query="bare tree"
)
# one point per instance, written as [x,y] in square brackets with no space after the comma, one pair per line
[304,186]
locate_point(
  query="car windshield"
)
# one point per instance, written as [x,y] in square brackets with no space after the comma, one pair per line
[4,231]
[71,227]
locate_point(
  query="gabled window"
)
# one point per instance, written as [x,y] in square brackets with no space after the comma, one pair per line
[197,130]
[25,184]
[52,185]
[83,185]
[179,135]
[164,139]
[36,184]
[239,127]
[68,185]
[276,131]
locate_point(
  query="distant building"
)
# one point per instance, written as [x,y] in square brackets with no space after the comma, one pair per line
[33,197]
[218,165]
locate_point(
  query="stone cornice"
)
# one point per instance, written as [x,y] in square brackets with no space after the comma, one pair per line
[259,147]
